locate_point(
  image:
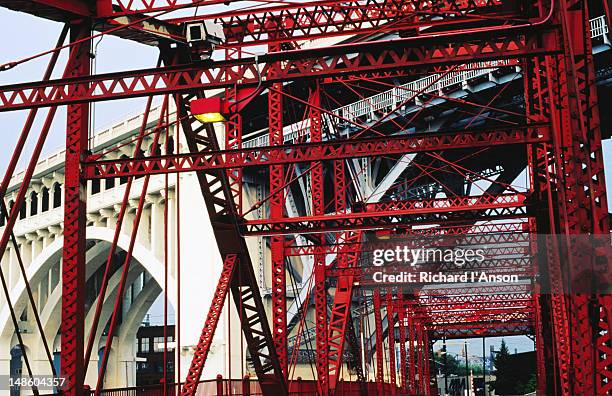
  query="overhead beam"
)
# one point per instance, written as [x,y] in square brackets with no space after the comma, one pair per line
[404,55]
[397,213]
[316,151]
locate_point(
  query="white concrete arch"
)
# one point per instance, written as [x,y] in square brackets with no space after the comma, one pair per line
[42,263]
[51,320]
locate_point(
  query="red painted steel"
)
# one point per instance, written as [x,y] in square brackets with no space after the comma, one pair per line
[560,146]
[375,57]
[392,213]
[401,320]
[210,325]
[324,19]
[73,256]
[377,307]
[340,312]
[305,152]
[277,203]
[233,132]
[391,340]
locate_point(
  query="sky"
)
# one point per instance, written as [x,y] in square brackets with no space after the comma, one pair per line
[30,35]
[24,35]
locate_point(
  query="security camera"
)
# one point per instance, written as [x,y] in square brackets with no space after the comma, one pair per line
[202,38]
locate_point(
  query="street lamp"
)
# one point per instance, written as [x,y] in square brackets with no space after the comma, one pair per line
[209,110]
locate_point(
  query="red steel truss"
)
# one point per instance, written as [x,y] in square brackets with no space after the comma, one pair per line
[340,163]
[389,56]
[320,151]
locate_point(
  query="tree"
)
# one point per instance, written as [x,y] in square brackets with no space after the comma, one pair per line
[453,366]
[505,381]
[510,379]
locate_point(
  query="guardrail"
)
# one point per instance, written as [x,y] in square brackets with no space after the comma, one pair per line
[432,83]
[243,387]
[599,28]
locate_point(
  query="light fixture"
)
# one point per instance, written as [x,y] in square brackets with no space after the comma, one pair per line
[209,110]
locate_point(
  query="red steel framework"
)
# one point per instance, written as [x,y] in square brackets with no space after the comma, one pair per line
[556,139]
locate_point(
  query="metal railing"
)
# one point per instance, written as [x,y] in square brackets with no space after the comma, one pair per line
[432,83]
[243,387]
[599,28]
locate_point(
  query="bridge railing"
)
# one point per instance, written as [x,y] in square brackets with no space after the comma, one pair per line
[599,28]
[245,387]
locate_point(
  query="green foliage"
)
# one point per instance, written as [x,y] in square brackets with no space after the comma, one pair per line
[511,380]
[453,365]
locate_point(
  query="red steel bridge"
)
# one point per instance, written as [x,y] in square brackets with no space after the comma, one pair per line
[539,119]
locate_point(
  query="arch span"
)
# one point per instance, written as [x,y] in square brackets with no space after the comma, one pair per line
[52,253]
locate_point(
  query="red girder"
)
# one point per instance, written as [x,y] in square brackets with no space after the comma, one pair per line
[376,56]
[277,203]
[394,213]
[467,318]
[477,290]
[412,384]
[489,329]
[420,363]
[448,204]
[480,307]
[315,151]
[210,325]
[459,299]
[233,139]
[107,8]
[391,339]
[73,253]
[490,232]
[324,19]
[340,312]
[379,338]
[401,320]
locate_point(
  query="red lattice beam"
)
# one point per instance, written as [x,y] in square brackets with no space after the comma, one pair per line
[390,214]
[210,325]
[375,56]
[315,151]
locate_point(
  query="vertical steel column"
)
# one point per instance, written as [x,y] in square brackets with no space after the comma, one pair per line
[277,200]
[419,362]
[576,200]
[321,328]
[391,338]
[401,317]
[584,174]
[532,81]
[412,388]
[340,185]
[380,378]
[545,164]
[341,308]
[73,258]
[233,131]
[318,208]
[426,376]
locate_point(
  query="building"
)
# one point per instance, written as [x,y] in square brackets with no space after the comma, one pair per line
[150,354]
